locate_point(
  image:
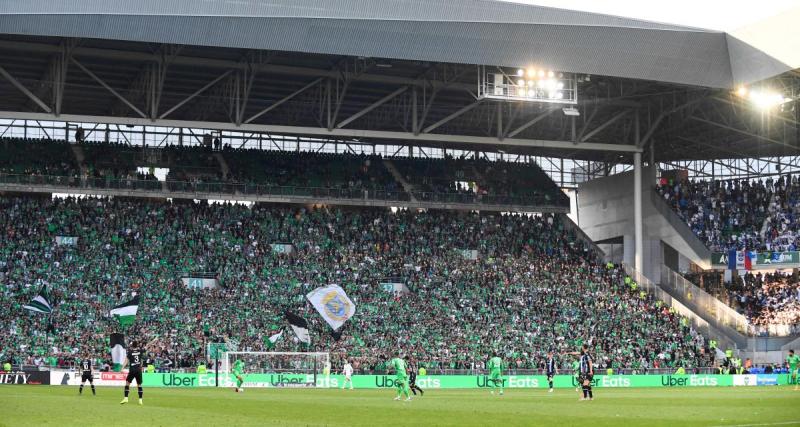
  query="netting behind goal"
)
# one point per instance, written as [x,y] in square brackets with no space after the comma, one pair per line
[277,369]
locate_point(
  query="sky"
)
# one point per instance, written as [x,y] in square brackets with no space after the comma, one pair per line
[722,15]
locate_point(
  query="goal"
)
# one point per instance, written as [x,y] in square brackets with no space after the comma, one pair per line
[277,369]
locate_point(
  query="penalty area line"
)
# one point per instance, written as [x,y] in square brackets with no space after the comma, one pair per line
[782,423]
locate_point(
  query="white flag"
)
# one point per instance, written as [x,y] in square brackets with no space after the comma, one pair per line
[274,338]
[332,304]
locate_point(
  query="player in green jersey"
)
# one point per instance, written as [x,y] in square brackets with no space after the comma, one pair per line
[238,373]
[793,360]
[495,366]
[401,379]
[576,372]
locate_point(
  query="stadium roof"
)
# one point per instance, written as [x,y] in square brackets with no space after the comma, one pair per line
[392,70]
[457,31]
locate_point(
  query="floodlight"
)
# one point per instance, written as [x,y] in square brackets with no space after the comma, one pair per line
[520,72]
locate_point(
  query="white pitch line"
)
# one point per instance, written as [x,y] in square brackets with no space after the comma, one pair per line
[783,423]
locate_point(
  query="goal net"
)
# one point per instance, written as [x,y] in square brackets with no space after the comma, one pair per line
[276,369]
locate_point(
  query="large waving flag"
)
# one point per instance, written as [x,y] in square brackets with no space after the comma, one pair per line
[299,326]
[118,352]
[126,312]
[332,304]
[40,304]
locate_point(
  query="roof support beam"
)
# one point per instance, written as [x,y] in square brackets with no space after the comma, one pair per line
[733,129]
[24,90]
[197,92]
[335,133]
[282,100]
[604,125]
[646,138]
[109,88]
[460,111]
[371,107]
[531,122]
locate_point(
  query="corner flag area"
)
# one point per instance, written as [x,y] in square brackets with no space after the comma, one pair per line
[62,406]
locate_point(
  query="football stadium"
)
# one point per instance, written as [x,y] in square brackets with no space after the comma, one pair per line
[399,212]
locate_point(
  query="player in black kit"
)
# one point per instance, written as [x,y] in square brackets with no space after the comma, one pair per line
[587,373]
[135,361]
[86,374]
[412,379]
[550,370]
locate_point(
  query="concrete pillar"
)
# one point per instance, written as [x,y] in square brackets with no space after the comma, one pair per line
[637,210]
[628,249]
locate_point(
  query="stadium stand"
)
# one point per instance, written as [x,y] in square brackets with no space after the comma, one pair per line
[745,215]
[349,175]
[723,214]
[252,171]
[765,298]
[533,286]
[37,158]
[469,180]
[753,215]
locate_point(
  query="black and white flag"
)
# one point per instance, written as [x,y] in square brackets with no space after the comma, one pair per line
[299,326]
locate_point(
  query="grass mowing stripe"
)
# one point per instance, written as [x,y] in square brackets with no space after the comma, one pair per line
[62,406]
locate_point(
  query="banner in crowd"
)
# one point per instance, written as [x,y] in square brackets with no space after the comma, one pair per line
[25,377]
[199,283]
[66,240]
[333,305]
[470,254]
[393,288]
[281,248]
[738,260]
[461,381]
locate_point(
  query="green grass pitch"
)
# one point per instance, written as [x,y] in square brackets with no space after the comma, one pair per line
[62,406]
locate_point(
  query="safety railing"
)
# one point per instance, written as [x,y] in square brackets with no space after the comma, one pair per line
[693,295]
[726,336]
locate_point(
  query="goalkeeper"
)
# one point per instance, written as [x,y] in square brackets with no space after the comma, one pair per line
[238,373]
[495,366]
[401,379]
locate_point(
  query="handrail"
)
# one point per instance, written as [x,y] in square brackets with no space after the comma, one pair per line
[726,335]
[248,189]
[720,311]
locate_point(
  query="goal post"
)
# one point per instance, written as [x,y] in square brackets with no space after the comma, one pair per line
[277,369]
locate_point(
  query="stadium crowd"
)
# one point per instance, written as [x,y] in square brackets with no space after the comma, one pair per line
[745,215]
[739,214]
[533,287]
[764,298]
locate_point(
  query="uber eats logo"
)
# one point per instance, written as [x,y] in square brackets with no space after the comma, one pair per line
[687,381]
[384,381]
[174,380]
[484,381]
